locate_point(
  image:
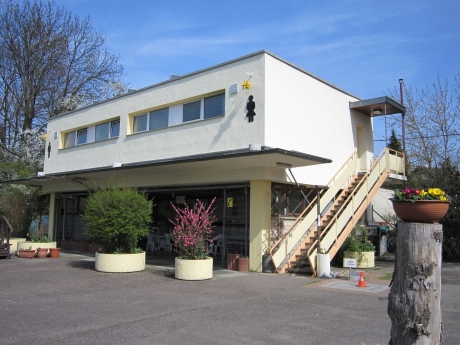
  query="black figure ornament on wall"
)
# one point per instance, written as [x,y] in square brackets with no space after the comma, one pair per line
[49,149]
[250,106]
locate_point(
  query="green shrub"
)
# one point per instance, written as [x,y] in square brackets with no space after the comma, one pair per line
[117,217]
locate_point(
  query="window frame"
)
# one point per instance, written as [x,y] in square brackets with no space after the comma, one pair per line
[79,132]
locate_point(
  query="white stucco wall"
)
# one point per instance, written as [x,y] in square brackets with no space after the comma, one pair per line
[382,204]
[223,133]
[307,115]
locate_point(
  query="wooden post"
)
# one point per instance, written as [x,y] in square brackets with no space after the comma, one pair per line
[414,302]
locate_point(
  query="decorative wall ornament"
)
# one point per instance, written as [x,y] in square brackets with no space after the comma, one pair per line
[49,149]
[250,106]
[246,85]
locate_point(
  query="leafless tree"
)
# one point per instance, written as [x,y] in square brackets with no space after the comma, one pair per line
[47,56]
[432,127]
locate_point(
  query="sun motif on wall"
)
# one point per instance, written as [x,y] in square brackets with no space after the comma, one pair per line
[246,85]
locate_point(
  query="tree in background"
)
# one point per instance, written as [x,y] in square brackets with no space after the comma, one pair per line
[433,148]
[50,62]
[394,142]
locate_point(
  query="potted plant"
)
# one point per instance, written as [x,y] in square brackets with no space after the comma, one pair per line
[420,205]
[191,234]
[42,253]
[35,243]
[357,246]
[54,252]
[116,217]
[26,253]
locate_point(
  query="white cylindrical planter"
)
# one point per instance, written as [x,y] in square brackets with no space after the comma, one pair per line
[120,263]
[324,265]
[193,269]
[14,243]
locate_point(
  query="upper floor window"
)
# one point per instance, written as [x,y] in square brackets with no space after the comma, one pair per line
[214,106]
[140,123]
[192,111]
[107,130]
[69,139]
[159,119]
[82,135]
[90,134]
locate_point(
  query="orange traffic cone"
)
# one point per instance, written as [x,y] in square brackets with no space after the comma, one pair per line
[361,283]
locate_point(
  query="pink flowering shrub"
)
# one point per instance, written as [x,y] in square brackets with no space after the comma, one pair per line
[193,230]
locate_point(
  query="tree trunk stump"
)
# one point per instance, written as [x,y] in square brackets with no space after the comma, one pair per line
[414,302]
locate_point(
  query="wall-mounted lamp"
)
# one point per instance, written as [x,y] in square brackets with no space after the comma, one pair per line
[55,135]
[283,165]
[250,73]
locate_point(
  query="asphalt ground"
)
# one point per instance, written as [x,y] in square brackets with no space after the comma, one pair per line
[65,301]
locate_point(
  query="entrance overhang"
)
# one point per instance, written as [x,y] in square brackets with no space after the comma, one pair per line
[380,106]
[214,163]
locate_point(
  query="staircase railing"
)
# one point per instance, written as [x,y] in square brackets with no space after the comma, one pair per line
[5,225]
[292,239]
[338,229]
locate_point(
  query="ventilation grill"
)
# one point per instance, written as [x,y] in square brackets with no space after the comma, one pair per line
[233,88]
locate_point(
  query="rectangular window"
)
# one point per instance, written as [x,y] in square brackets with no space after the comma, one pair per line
[69,139]
[192,111]
[214,106]
[115,130]
[81,136]
[102,131]
[159,119]
[140,123]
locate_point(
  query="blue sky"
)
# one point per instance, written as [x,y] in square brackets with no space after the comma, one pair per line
[363,47]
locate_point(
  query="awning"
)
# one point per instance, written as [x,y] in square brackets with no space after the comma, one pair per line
[264,157]
[378,106]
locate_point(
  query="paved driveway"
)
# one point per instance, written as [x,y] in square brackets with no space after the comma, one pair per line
[64,301]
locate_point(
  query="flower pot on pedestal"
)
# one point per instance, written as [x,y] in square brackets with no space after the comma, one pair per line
[421,211]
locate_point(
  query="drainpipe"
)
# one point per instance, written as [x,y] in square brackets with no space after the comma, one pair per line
[403,124]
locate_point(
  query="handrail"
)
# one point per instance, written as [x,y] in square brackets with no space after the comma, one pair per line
[292,226]
[341,168]
[10,229]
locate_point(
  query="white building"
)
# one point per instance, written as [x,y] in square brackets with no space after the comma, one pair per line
[189,138]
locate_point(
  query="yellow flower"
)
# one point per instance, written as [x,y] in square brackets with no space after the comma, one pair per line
[246,84]
[442,198]
[423,193]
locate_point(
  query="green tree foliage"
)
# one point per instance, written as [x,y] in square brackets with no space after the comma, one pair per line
[394,142]
[117,217]
[22,204]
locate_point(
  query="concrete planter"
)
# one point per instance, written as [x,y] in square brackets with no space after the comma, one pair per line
[367,261]
[36,245]
[14,243]
[120,263]
[193,269]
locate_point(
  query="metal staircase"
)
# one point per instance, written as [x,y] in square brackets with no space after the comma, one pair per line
[348,195]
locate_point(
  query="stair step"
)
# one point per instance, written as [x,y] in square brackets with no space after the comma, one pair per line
[304,270]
